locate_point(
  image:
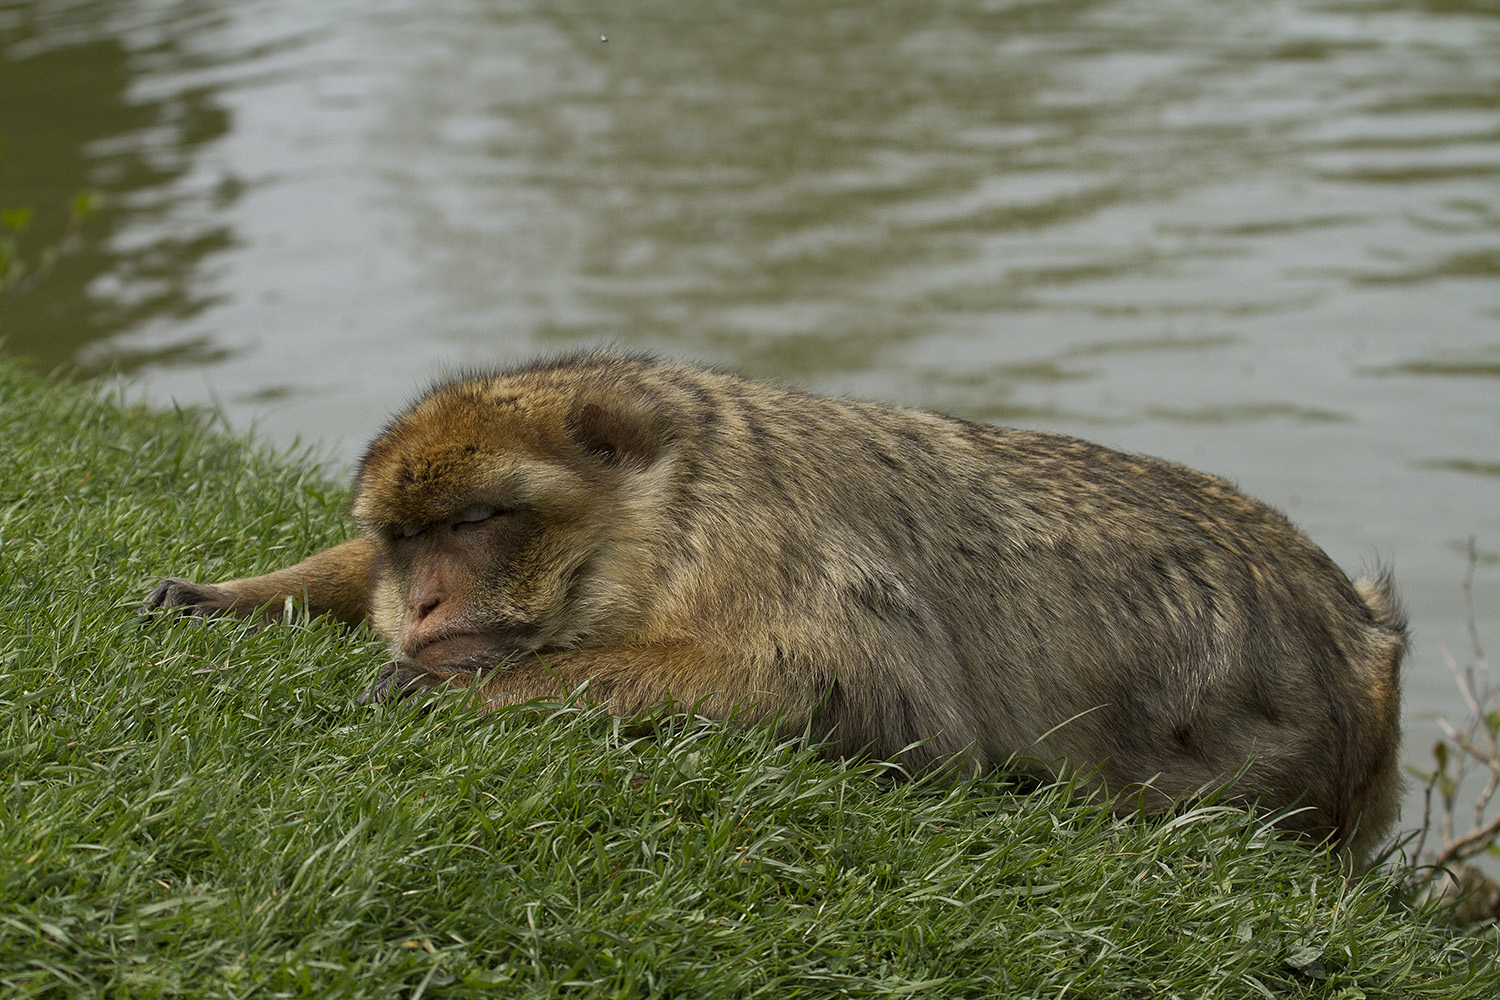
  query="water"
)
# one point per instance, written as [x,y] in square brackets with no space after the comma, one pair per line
[1259,237]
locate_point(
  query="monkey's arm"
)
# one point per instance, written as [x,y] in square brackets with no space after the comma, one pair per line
[336,581]
[622,680]
[714,683]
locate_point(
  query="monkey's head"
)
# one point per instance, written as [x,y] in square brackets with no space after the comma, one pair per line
[513,513]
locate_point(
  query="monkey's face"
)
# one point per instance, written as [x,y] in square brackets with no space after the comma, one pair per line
[498,517]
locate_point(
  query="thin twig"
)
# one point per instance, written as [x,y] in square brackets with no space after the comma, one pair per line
[1416,853]
[1466,750]
[1469,603]
[1464,678]
[47,262]
[1470,844]
[1468,746]
[1482,803]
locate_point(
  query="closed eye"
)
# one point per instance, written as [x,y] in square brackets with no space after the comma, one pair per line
[477,514]
[469,517]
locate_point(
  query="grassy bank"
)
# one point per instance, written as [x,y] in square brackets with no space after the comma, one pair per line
[190,809]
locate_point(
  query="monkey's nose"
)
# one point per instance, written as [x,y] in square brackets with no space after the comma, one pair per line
[420,607]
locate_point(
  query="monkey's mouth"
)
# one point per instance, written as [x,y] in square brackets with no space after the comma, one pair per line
[467,652]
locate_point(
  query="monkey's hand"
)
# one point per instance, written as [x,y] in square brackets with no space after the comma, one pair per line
[189,598]
[394,683]
[402,683]
[336,582]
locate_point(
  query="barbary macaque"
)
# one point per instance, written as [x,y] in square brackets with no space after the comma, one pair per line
[905,585]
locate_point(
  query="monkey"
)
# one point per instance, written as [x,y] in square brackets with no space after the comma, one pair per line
[901,585]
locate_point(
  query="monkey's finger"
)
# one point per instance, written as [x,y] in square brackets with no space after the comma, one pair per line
[398,684]
[186,597]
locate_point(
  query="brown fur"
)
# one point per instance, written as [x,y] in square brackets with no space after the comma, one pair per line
[911,586]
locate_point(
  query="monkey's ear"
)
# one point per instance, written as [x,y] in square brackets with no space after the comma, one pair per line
[613,435]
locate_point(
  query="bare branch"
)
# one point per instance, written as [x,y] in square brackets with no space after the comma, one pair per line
[1469,747]
[1469,844]
[1416,853]
[1469,605]
[1464,678]
[1483,801]
[1463,750]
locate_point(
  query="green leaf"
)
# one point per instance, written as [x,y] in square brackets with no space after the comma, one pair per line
[86,203]
[1304,955]
[16,219]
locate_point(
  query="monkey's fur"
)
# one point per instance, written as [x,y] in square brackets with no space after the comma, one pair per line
[912,586]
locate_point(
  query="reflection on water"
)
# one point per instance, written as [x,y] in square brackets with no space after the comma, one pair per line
[69,122]
[1257,237]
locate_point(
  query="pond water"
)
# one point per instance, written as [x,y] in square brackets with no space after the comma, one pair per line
[1262,238]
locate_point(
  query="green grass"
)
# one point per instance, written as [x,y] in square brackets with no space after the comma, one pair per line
[197,809]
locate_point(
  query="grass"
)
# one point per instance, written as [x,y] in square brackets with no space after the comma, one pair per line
[192,809]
